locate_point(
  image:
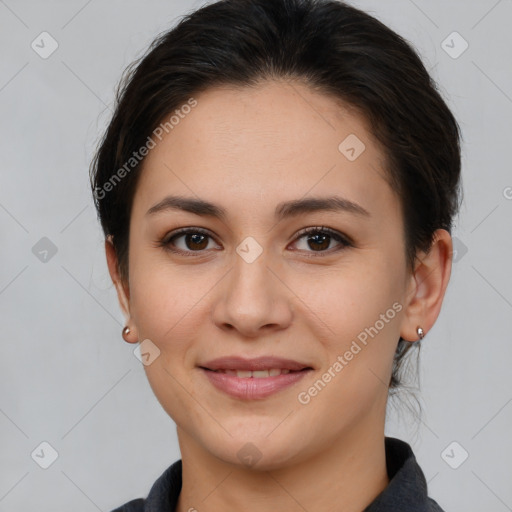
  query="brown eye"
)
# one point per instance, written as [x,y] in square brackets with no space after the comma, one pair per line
[194,240]
[319,239]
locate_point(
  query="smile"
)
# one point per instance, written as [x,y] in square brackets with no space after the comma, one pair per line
[257,374]
[253,385]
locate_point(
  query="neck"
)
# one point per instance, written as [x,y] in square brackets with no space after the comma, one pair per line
[347,477]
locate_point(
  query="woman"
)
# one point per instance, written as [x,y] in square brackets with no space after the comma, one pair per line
[277,188]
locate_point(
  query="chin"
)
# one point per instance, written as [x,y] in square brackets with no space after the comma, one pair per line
[258,452]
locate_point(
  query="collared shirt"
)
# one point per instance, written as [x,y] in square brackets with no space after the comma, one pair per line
[406,491]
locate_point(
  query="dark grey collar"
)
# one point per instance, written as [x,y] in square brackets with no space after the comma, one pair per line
[407,488]
[406,492]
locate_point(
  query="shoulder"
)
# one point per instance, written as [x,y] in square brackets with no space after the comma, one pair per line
[407,488]
[162,496]
[433,506]
[136,505]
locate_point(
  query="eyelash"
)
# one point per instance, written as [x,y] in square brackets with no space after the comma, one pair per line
[166,242]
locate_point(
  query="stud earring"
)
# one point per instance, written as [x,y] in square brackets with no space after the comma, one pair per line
[420,332]
[126,331]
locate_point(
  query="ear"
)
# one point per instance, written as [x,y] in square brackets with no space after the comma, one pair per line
[427,286]
[123,292]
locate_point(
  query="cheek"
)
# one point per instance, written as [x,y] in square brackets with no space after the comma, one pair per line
[357,314]
[349,299]
[160,301]
[163,309]
[356,311]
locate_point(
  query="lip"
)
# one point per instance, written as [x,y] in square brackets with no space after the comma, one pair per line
[258,363]
[251,388]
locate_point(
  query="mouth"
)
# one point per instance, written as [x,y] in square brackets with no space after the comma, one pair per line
[252,379]
[264,363]
[256,374]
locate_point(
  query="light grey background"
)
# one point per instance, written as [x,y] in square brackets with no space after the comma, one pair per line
[69,379]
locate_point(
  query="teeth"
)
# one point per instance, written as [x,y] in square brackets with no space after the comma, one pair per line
[257,374]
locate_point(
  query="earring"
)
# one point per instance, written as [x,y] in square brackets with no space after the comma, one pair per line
[420,332]
[126,331]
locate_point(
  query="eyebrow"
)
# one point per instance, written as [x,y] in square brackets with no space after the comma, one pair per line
[283,210]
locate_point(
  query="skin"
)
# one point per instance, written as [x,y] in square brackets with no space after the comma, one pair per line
[247,150]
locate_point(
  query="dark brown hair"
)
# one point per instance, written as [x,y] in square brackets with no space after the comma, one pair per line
[326,44]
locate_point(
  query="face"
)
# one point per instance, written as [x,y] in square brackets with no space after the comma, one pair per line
[251,284]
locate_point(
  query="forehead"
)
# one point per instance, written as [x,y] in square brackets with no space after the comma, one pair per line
[258,146]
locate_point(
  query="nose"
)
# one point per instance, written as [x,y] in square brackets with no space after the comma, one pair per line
[253,300]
